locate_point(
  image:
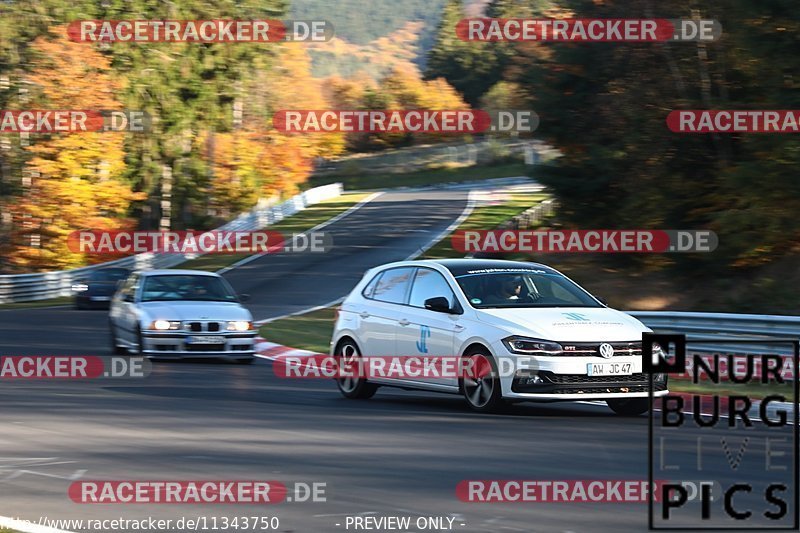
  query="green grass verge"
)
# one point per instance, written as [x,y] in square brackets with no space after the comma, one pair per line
[486,218]
[50,302]
[300,222]
[310,331]
[422,178]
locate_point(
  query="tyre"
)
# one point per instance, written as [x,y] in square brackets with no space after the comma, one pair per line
[629,406]
[357,388]
[139,342]
[115,348]
[480,383]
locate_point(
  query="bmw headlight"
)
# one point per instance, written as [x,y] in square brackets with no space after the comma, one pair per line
[529,346]
[163,325]
[240,325]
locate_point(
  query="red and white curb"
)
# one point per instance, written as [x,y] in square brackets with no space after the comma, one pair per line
[272,351]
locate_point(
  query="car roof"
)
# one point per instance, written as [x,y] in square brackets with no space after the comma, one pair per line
[460,267]
[178,272]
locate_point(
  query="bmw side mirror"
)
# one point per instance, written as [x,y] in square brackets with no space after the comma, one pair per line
[438,304]
[244,297]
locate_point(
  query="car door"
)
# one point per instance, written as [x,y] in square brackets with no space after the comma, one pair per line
[378,318]
[423,332]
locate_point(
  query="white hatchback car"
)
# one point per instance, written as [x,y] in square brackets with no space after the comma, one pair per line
[562,343]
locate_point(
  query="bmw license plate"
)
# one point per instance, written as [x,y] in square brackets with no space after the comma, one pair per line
[609,369]
[206,339]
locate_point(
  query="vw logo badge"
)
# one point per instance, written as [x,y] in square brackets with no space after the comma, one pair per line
[606,350]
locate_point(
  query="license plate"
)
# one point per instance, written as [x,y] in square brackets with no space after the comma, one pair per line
[609,369]
[206,339]
[101,298]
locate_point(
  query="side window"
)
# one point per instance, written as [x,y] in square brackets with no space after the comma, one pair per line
[370,288]
[130,285]
[430,284]
[393,285]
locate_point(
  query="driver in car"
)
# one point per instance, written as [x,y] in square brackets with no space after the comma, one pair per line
[508,289]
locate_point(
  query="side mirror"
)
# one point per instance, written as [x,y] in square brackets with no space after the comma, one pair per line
[438,304]
[128,298]
[244,297]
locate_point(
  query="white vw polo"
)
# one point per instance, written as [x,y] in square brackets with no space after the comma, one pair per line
[542,337]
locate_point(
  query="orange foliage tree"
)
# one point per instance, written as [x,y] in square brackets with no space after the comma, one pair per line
[256,161]
[73,180]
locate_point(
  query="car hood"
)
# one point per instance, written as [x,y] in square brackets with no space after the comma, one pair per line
[576,324]
[195,310]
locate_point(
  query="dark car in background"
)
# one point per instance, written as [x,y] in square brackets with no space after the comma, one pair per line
[95,291]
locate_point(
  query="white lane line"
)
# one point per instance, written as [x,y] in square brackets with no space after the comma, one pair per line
[27,527]
[301,312]
[318,227]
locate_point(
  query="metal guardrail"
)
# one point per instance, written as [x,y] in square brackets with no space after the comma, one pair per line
[725,326]
[44,285]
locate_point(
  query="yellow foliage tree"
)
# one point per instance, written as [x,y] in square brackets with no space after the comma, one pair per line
[73,180]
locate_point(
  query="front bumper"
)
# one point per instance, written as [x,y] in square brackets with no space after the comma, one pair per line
[177,345]
[565,377]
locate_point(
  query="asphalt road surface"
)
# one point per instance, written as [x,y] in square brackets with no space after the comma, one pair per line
[399,454]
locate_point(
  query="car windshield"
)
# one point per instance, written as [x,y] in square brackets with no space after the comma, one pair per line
[109,275]
[186,287]
[533,288]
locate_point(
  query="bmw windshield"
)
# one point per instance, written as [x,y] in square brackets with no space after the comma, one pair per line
[523,289]
[187,287]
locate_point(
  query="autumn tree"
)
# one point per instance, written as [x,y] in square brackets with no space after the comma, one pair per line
[72,181]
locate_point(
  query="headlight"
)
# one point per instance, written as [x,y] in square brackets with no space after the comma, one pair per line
[80,287]
[527,346]
[240,325]
[162,325]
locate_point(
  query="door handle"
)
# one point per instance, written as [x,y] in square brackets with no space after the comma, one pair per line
[364,314]
[403,322]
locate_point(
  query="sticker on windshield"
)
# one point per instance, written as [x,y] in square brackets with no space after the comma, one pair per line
[476,301]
